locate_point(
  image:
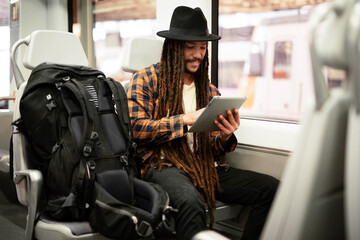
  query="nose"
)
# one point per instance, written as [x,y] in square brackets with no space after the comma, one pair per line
[197,53]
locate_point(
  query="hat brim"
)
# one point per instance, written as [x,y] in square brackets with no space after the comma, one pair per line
[192,38]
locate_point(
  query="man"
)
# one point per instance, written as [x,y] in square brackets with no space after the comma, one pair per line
[167,97]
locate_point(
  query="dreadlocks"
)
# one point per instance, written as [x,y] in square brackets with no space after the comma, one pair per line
[199,165]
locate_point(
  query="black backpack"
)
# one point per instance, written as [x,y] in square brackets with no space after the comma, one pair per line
[75,133]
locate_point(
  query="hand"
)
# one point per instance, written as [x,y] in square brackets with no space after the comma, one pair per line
[190,118]
[228,125]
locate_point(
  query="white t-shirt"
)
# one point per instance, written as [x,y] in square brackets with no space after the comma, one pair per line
[189,105]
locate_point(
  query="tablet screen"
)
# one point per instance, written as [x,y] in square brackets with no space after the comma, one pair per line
[218,105]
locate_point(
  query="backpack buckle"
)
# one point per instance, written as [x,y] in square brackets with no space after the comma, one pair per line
[144,229]
[124,160]
[87,150]
[134,145]
[51,105]
[19,124]
[94,135]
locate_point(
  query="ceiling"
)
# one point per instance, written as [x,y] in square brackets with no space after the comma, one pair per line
[125,9]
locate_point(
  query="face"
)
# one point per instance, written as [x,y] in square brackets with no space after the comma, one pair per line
[194,54]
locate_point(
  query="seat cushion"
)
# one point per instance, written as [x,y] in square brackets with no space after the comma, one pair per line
[49,229]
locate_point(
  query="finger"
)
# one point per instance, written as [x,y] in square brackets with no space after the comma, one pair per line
[232,121]
[220,126]
[230,117]
[236,116]
[224,121]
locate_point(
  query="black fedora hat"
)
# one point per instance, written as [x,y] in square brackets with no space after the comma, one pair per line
[188,24]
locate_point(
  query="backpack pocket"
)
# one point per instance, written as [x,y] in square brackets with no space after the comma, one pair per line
[61,183]
[64,163]
[40,112]
[116,219]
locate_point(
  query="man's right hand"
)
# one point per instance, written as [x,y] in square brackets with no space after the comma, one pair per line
[190,118]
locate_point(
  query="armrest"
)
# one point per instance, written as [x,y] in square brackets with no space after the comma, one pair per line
[32,180]
[4,162]
[209,235]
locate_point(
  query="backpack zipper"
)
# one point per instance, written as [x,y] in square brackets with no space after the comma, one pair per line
[118,211]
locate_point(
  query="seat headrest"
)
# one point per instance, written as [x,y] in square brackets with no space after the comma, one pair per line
[54,46]
[140,53]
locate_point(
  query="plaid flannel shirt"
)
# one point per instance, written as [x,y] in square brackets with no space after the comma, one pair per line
[148,131]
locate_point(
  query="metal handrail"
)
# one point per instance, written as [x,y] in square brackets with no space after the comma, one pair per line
[19,79]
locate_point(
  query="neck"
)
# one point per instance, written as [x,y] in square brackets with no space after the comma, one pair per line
[188,78]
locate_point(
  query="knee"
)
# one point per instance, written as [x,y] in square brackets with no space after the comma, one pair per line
[191,202]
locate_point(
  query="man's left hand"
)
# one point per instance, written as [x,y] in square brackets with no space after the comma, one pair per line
[228,124]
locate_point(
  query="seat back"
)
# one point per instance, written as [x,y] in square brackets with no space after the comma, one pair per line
[43,46]
[352,162]
[140,53]
[309,201]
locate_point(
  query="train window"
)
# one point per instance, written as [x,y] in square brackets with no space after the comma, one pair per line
[273,66]
[4,52]
[282,60]
[255,64]
[114,22]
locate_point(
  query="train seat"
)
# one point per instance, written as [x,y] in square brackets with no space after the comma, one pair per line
[309,201]
[135,58]
[64,48]
[5,133]
[352,163]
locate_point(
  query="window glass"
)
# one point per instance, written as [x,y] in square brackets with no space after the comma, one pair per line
[114,23]
[282,60]
[4,52]
[265,55]
[110,38]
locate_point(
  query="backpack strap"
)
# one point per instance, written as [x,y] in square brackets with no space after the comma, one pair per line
[80,93]
[120,100]
[87,138]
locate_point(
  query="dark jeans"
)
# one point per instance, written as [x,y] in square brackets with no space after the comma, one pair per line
[240,186]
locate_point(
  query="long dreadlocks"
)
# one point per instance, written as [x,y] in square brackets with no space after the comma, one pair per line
[199,165]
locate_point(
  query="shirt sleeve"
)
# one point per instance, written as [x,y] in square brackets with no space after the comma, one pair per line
[143,104]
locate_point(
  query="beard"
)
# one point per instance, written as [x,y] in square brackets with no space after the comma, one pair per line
[191,72]
[187,70]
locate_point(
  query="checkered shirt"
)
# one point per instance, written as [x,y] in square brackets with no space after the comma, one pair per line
[148,131]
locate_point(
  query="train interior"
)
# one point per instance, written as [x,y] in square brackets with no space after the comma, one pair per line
[316,158]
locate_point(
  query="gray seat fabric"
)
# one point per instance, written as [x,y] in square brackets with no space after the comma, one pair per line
[352,162]
[309,201]
[76,228]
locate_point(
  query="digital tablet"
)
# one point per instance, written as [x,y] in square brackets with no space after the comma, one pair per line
[218,105]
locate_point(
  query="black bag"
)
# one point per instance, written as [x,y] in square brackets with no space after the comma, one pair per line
[116,214]
[74,131]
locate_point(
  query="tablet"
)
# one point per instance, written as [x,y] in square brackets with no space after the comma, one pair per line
[218,105]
